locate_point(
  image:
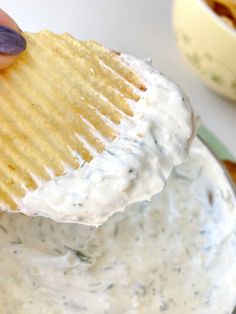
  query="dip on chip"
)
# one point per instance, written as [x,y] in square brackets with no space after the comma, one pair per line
[86,131]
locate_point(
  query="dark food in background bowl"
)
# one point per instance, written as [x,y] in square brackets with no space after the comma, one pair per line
[231,167]
[225,9]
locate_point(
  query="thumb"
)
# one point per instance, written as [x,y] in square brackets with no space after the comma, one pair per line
[12,42]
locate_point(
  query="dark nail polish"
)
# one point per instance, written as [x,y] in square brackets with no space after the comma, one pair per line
[11,42]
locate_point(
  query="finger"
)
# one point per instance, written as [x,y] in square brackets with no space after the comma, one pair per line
[11,42]
[6,20]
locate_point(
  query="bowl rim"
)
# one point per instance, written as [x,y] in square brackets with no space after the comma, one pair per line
[217,18]
[221,164]
[226,173]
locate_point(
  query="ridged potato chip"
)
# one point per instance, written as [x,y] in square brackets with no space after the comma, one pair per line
[86,131]
[60,105]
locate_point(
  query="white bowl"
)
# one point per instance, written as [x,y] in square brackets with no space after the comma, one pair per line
[207,43]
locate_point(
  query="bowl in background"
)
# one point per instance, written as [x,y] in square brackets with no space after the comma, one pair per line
[208,43]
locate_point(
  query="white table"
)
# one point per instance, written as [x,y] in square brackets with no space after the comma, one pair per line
[138,27]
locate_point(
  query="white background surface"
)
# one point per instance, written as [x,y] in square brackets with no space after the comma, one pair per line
[139,27]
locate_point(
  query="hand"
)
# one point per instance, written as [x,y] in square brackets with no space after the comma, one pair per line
[12,42]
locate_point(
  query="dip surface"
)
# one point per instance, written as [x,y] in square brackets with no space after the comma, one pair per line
[156,138]
[173,255]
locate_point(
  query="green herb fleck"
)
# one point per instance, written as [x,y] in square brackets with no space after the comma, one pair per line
[57,251]
[194,59]
[17,241]
[186,38]
[217,79]
[3,229]
[116,230]
[83,258]
[164,307]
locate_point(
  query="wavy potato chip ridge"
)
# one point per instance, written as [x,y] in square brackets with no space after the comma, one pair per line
[61,103]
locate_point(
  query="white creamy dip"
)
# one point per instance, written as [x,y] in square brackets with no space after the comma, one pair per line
[147,147]
[173,255]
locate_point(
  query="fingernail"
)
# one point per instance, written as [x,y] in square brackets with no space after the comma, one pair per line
[11,42]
